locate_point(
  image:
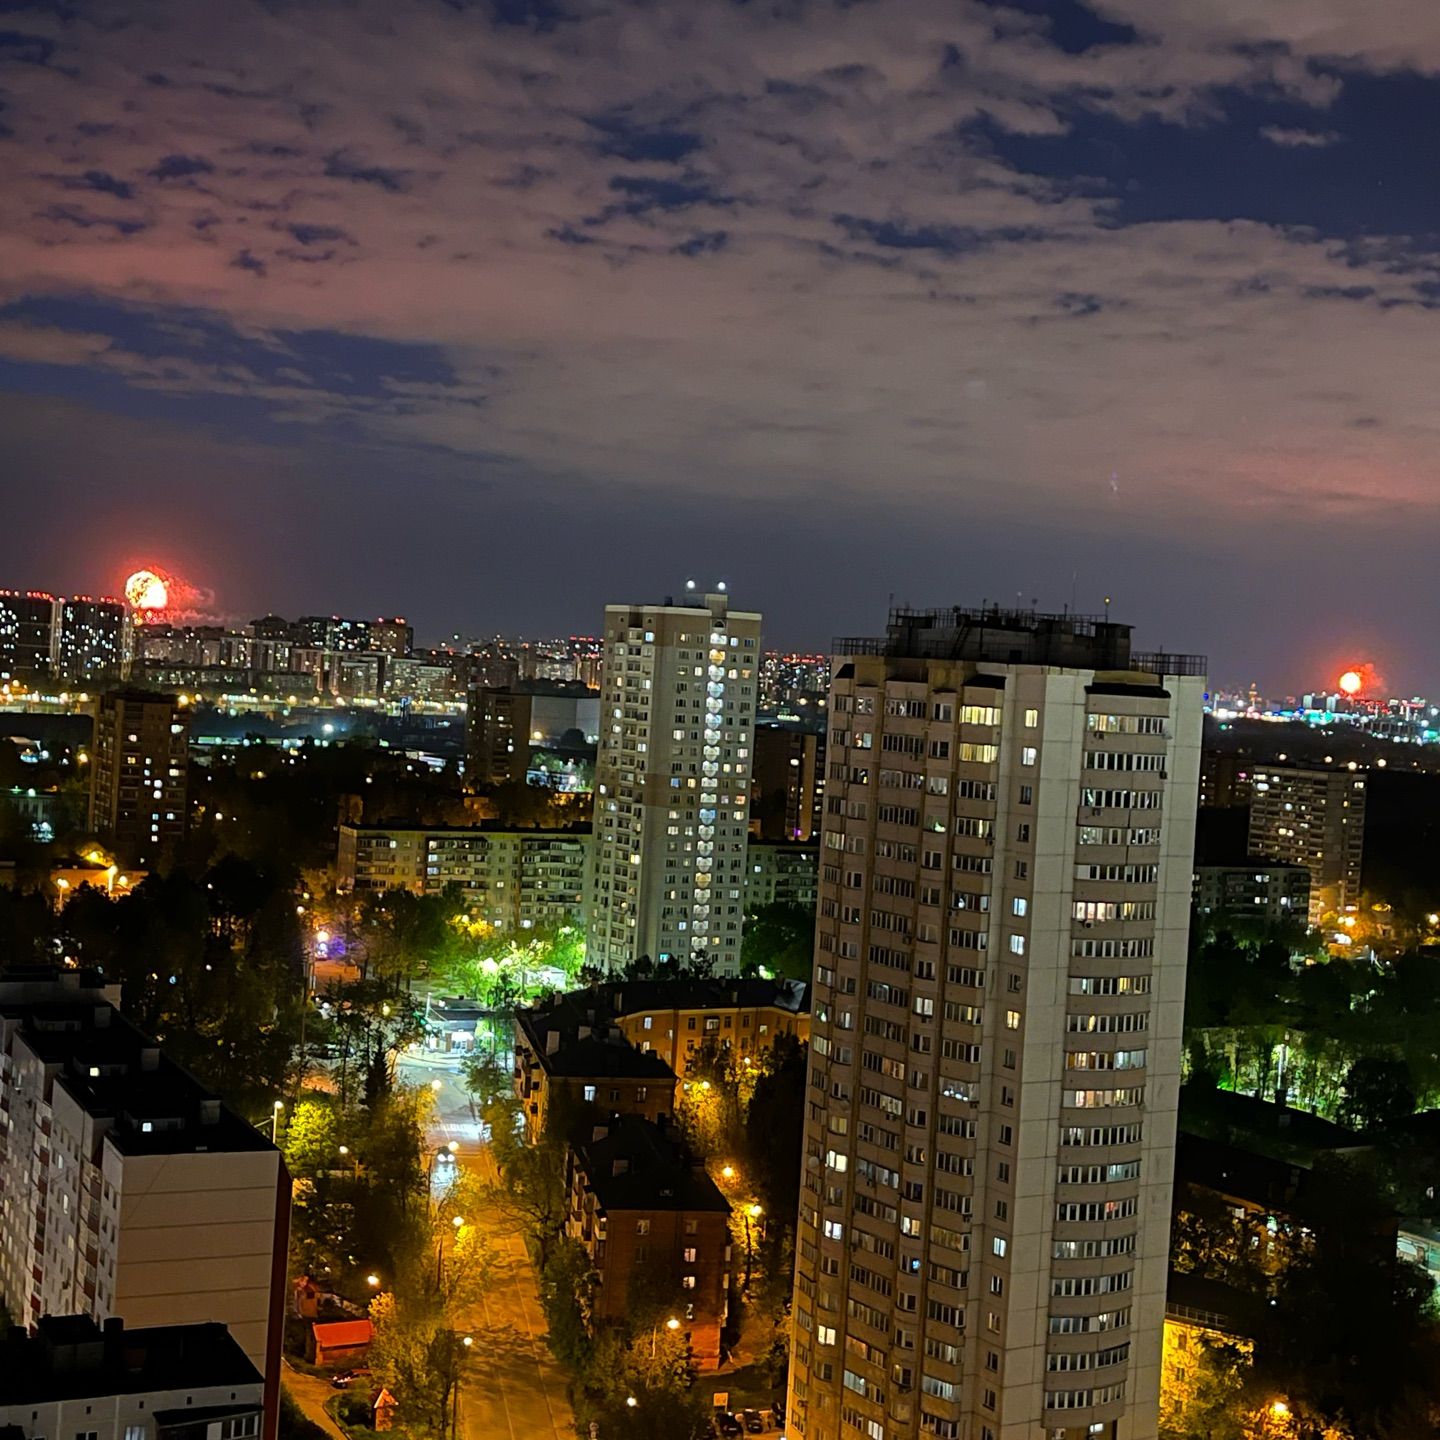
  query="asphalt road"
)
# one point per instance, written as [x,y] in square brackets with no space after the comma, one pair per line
[514,1389]
[310,1394]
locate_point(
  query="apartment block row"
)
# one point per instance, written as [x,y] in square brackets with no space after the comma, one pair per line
[640,1203]
[530,879]
[81,641]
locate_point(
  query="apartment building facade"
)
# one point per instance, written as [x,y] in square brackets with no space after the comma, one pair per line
[672,782]
[983,1235]
[1313,817]
[570,1054]
[514,879]
[1260,892]
[125,1189]
[72,1376]
[675,1019]
[644,1208]
[139,774]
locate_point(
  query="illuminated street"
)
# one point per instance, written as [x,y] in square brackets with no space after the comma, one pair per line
[514,1389]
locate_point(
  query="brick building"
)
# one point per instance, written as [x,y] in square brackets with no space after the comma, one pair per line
[571,1052]
[645,1210]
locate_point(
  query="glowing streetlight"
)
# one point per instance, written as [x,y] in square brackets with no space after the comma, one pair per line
[630,1401]
[1280,1410]
[458,1221]
[435,1086]
[672,1324]
[453,1147]
[373,1281]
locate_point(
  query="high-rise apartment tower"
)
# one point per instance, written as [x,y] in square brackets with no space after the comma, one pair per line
[1004,901]
[672,782]
[139,773]
[1314,817]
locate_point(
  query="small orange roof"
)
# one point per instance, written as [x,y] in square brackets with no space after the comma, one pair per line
[344,1332]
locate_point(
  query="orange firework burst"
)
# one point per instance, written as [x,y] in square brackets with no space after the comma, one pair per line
[147,591]
[1359,680]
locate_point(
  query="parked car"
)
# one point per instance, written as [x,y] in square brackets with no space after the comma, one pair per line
[728,1425]
[777,1409]
[344,1379]
[754,1421]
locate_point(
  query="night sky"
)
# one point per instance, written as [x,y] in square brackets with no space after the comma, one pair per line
[489,313]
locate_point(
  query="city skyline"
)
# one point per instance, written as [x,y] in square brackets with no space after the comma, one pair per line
[1113,300]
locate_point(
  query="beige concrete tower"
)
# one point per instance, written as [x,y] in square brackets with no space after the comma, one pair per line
[1004,901]
[672,782]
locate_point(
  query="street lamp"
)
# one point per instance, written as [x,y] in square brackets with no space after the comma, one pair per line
[274,1120]
[672,1324]
[752,1211]
[727,1172]
[466,1341]
[344,1153]
[457,1221]
[373,1281]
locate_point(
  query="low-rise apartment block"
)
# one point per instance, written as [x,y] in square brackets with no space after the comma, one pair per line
[125,1188]
[643,1207]
[571,1053]
[675,1018]
[1259,890]
[778,874]
[515,879]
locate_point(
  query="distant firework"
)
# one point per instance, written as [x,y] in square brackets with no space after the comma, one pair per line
[146,591]
[1360,680]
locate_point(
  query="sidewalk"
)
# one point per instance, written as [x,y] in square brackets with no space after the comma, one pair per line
[310,1394]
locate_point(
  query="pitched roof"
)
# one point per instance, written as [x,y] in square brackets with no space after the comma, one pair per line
[343,1332]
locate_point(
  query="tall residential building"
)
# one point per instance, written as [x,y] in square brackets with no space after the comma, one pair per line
[91,643]
[1315,817]
[984,1224]
[27,633]
[787,792]
[503,725]
[138,773]
[672,782]
[128,1190]
[392,637]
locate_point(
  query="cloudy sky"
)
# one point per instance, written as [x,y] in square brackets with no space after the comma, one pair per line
[491,312]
